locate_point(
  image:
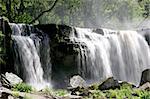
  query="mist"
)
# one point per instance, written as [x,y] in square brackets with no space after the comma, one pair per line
[114,14]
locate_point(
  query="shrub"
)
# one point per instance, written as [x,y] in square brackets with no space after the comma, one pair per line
[60,92]
[22,87]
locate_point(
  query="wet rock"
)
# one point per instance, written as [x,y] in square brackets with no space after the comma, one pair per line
[77,81]
[110,83]
[99,31]
[145,86]
[10,79]
[145,76]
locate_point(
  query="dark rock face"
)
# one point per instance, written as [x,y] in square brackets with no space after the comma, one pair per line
[145,76]
[110,83]
[146,34]
[99,31]
[6,44]
[63,53]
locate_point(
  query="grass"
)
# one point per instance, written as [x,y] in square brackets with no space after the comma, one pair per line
[53,92]
[22,87]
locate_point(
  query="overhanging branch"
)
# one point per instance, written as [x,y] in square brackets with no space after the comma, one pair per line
[44,12]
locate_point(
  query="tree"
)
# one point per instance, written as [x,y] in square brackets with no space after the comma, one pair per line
[44,12]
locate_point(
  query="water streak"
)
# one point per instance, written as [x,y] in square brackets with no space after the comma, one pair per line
[31,56]
[121,54]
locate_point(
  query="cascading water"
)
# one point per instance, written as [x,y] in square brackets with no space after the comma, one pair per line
[31,55]
[121,54]
[102,54]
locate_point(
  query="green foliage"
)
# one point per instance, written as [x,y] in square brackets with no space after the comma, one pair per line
[27,97]
[15,94]
[22,87]
[81,13]
[97,94]
[2,50]
[47,91]
[60,92]
[125,92]
[145,96]
[24,18]
[94,87]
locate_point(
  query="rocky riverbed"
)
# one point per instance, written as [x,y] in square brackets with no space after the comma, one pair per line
[12,87]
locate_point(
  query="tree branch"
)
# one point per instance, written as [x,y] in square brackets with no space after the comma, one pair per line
[44,12]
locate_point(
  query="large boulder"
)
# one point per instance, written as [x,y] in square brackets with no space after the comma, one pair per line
[109,83]
[145,76]
[10,79]
[77,81]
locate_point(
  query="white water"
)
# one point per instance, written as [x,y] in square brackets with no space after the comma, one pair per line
[121,54]
[29,48]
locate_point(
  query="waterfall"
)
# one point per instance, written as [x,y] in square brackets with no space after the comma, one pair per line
[101,54]
[31,55]
[121,54]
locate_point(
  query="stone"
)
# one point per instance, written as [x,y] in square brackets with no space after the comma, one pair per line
[10,79]
[145,86]
[80,91]
[71,97]
[99,31]
[145,76]
[13,79]
[9,94]
[77,81]
[109,83]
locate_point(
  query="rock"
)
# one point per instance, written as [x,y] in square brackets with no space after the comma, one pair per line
[71,97]
[5,82]
[77,81]
[145,86]
[8,94]
[145,76]
[10,79]
[110,83]
[11,97]
[99,31]
[80,91]
[4,96]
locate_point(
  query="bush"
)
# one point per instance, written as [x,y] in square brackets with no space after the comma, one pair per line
[60,92]
[22,87]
